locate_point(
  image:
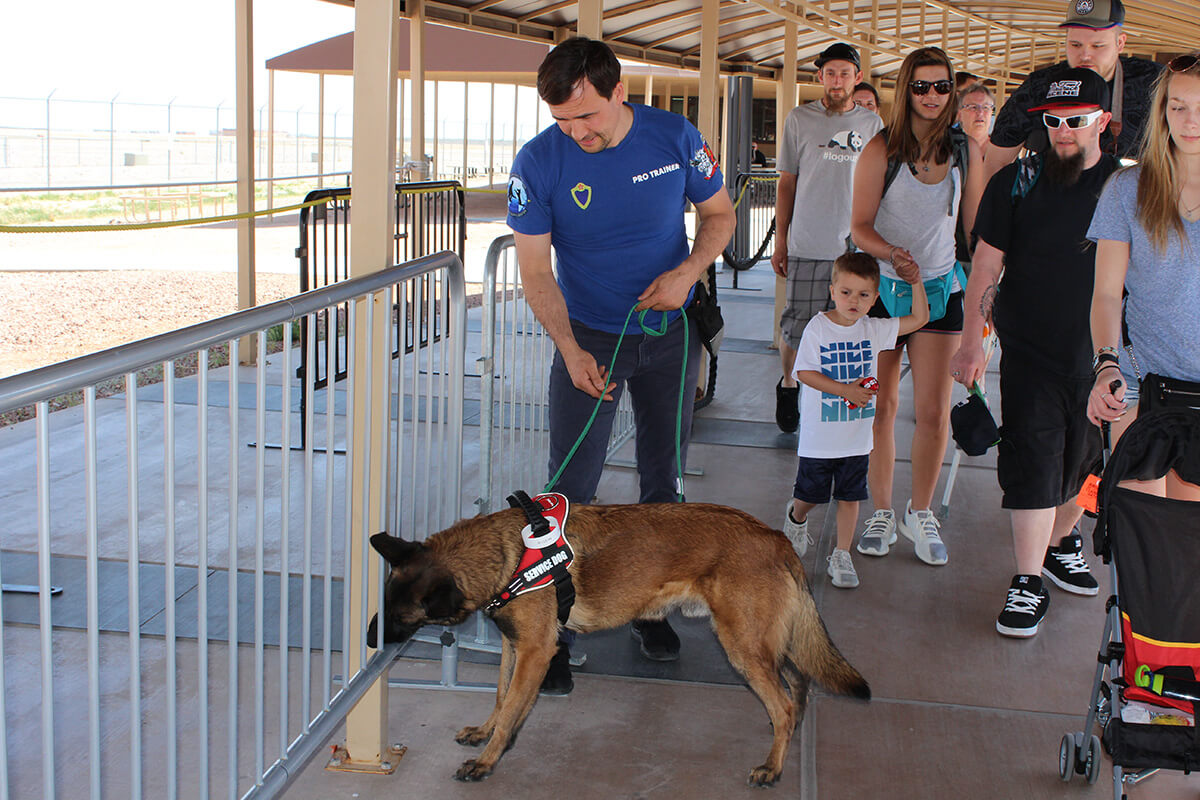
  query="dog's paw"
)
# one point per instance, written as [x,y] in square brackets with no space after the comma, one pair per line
[763,776]
[472,736]
[471,770]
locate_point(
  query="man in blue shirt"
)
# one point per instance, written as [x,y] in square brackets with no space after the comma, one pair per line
[607,187]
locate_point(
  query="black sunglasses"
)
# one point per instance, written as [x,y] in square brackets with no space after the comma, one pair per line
[923,87]
[1183,63]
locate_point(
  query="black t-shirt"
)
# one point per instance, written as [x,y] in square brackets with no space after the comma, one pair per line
[1015,125]
[1043,306]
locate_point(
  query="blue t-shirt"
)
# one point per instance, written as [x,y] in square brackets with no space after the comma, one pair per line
[615,218]
[1163,306]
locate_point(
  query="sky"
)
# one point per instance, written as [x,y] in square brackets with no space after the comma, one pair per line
[155,50]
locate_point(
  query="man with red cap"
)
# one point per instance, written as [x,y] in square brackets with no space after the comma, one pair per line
[1095,40]
[1032,226]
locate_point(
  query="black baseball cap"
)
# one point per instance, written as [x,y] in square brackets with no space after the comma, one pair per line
[1095,14]
[838,51]
[1074,86]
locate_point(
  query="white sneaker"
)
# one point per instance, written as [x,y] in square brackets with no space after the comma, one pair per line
[797,532]
[841,569]
[921,527]
[879,534]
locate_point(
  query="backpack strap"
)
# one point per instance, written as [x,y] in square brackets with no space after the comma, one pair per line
[1029,169]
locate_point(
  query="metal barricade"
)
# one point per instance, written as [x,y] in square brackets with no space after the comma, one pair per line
[754,196]
[514,366]
[430,217]
[206,587]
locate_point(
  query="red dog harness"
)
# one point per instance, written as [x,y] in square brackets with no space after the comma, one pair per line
[547,554]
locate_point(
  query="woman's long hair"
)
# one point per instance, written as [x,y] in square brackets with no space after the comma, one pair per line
[902,143]
[1159,184]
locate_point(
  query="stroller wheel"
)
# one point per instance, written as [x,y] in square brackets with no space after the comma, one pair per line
[1066,757]
[1092,770]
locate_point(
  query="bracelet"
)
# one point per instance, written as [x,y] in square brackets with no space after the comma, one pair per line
[892,250]
[1106,366]
[1112,350]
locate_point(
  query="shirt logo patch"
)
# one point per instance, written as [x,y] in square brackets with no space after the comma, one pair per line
[1064,89]
[847,140]
[582,195]
[518,196]
[845,362]
[705,162]
[1084,7]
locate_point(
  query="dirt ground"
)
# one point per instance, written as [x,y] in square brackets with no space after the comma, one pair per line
[51,316]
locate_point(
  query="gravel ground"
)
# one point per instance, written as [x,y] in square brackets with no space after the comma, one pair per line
[50,316]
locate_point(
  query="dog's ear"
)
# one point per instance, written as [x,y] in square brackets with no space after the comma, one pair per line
[443,600]
[373,631]
[394,549]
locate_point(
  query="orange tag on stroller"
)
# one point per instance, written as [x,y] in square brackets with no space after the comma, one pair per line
[1089,495]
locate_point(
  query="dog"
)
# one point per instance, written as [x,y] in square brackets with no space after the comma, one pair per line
[630,562]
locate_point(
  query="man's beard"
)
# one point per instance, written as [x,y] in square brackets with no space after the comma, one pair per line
[835,105]
[1063,171]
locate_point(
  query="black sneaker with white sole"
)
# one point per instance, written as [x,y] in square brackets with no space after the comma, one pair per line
[1024,608]
[1067,569]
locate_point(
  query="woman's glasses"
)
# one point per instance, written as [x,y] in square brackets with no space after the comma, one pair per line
[1075,121]
[923,87]
[1183,63]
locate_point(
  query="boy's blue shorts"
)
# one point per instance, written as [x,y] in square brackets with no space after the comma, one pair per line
[845,478]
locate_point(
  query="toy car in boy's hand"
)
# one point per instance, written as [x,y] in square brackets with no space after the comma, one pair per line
[871,385]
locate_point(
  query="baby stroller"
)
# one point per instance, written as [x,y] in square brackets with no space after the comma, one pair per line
[1148,706]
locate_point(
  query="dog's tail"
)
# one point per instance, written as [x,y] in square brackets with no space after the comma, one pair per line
[814,654]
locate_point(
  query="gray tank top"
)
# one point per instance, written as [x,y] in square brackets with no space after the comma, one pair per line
[921,218]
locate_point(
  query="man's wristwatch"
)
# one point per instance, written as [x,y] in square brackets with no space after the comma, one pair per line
[1103,357]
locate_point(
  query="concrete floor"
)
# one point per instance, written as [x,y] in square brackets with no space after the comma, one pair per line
[958,711]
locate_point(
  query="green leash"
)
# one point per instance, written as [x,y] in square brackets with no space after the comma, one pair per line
[662,331]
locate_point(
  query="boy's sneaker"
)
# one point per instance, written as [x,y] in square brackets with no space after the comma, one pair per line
[787,407]
[1067,569]
[797,532]
[1023,610]
[841,569]
[921,528]
[879,534]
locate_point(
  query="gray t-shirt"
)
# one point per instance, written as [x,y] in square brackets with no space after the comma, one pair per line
[1163,307]
[821,149]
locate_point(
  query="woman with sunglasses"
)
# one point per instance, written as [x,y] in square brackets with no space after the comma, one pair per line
[909,227]
[1147,234]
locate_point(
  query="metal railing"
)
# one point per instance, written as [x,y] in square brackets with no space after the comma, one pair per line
[754,193]
[430,217]
[193,567]
[514,366]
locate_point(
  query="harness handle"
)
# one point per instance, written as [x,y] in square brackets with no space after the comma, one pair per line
[533,512]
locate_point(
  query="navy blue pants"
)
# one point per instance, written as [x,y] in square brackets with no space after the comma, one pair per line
[649,367]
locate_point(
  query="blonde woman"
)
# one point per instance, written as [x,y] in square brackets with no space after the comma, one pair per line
[1147,234]
[908,225]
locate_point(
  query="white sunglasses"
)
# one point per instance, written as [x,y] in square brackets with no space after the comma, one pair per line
[1053,121]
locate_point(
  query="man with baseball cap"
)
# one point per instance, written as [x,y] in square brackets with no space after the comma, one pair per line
[1031,226]
[821,143]
[1095,40]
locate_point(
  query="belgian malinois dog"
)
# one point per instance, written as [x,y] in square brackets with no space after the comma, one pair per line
[630,562]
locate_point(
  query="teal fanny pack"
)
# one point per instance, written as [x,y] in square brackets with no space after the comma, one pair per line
[897,294]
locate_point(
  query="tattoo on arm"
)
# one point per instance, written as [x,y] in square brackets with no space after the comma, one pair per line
[988,299]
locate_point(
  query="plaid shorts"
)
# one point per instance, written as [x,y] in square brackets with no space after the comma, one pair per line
[807,296]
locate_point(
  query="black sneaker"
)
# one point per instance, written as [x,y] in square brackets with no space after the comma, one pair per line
[1023,610]
[558,680]
[787,407]
[659,641]
[1067,569]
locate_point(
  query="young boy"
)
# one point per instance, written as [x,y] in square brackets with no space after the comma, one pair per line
[836,357]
